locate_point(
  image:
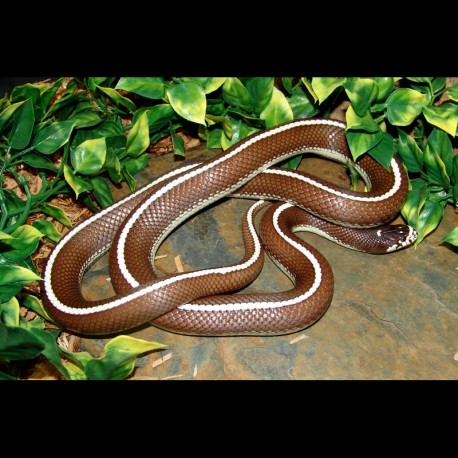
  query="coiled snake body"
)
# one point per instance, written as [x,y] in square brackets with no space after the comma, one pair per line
[199,302]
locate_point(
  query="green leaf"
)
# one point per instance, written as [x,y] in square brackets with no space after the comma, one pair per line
[24,242]
[118,361]
[361,142]
[385,86]
[4,376]
[278,111]
[102,192]
[135,164]
[138,138]
[51,350]
[383,151]
[444,116]
[324,87]
[149,87]
[23,122]
[209,84]
[39,162]
[47,229]
[188,100]
[214,138]
[227,142]
[53,137]
[88,157]
[302,104]
[428,219]
[86,118]
[18,344]
[178,144]
[451,237]
[440,142]
[404,106]
[9,312]
[57,213]
[24,92]
[452,92]
[35,304]
[361,92]
[236,94]
[357,122]
[118,98]
[435,168]
[158,116]
[260,90]
[77,184]
[10,274]
[409,151]
[6,114]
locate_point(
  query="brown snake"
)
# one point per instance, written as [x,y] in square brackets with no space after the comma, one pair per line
[196,302]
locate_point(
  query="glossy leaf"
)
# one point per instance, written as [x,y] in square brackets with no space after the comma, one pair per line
[47,229]
[138,138]
[9,312]
[158,116]
[260,90]
[118,98]
[49,139]
[35,304]
[409,151]
[24,242]
[451,237]
[118,360]
[12,279]
[135,164]
[177,143]
[361,92]
[452,92]
[435,168]
[149,87]
[440,142]
[383,151]
[308,86]
[188,100]
[6,114]
[88,157]
[87,118]
[209,84]
[18,344]
[385,86]
[428,219]
[57,213]
[302,104]
[102,191]
[236,94]
[356,122]
[77,184]
[23,123]
[278,111]
[51,349]
[404,106]
[361,142]
[39,162]
[444,116]
[324,87]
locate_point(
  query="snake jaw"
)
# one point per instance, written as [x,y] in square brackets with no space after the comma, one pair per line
[399,236]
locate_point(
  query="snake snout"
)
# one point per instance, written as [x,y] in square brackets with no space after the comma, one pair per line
[397,236]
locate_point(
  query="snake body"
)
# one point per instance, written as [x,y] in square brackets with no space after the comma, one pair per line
[200,302]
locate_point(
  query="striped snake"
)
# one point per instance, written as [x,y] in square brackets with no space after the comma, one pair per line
[203,302]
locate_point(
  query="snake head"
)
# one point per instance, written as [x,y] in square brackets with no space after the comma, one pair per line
[397,236]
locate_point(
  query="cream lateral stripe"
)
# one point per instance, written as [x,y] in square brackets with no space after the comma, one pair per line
[101,214]
[274,304]
[120,249]
[142,292]
[388,194]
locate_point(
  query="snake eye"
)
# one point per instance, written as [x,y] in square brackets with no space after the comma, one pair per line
[397,236]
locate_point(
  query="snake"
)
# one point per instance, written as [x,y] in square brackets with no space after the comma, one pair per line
[211,302]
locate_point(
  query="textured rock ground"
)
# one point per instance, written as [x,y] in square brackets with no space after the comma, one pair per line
[393,317]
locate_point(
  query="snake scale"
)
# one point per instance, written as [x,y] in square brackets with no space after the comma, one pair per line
[203,302]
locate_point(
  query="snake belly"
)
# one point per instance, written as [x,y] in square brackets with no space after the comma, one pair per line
[193,302]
